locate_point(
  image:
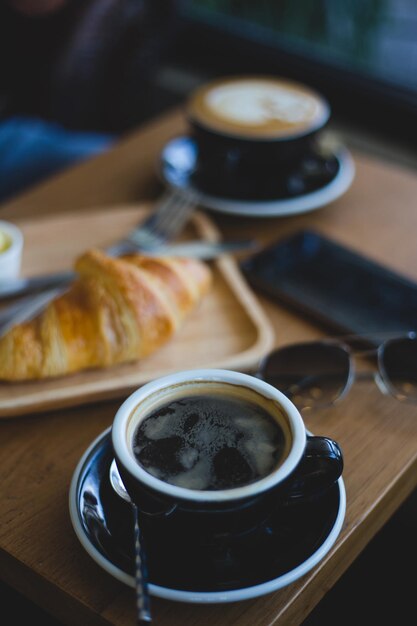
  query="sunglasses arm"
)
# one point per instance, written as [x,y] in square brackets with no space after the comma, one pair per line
[380,383]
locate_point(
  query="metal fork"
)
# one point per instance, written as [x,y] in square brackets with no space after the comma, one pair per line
[163,224]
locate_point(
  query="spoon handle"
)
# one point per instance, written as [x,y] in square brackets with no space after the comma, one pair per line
[141,576]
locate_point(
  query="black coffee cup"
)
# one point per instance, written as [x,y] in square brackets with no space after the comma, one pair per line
[252,134]
[306,469]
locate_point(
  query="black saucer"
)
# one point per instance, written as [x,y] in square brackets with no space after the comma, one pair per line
[283,550]
[319,180]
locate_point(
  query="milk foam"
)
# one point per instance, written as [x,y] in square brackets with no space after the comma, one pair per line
[255,104]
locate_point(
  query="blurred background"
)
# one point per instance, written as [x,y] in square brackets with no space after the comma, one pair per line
[75,75]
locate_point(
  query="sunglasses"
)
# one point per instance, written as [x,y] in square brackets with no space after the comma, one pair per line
[319,373]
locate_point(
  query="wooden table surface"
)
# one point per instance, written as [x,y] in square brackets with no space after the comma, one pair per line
[39,553]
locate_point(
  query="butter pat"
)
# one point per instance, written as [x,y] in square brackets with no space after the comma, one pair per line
[11,248]
[5,241]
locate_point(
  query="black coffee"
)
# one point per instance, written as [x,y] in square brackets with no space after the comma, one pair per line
[209,442]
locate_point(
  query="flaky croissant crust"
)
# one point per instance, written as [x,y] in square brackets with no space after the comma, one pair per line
[118,310]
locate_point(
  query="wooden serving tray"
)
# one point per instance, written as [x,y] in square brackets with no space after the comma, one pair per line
[229,330]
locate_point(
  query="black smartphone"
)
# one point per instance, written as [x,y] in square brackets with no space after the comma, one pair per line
[334,285]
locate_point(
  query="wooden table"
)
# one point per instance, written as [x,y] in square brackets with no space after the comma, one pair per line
[39,553]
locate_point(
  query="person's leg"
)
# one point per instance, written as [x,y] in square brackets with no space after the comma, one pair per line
[32,149]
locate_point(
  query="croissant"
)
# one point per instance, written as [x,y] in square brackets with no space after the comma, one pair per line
[117,310]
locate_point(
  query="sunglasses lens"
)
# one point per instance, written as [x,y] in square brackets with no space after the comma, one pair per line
[399,363]
[311,374]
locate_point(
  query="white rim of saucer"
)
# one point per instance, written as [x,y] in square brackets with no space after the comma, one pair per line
[288,206]
[205,597]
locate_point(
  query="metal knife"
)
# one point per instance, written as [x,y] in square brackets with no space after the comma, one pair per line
[198,249]
[27,308]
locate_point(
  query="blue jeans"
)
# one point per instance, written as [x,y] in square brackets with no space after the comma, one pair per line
[32,149]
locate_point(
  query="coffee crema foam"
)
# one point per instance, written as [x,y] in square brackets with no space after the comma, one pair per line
[258,107]
[209,441]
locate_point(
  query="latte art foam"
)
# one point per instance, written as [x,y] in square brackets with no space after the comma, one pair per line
[209,442]
[252,103]
[268,108]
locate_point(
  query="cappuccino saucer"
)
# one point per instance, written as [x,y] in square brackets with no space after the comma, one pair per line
[179,160]
[288,548]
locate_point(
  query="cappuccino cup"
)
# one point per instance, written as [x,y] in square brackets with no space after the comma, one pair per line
[252,133]
[206,455]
